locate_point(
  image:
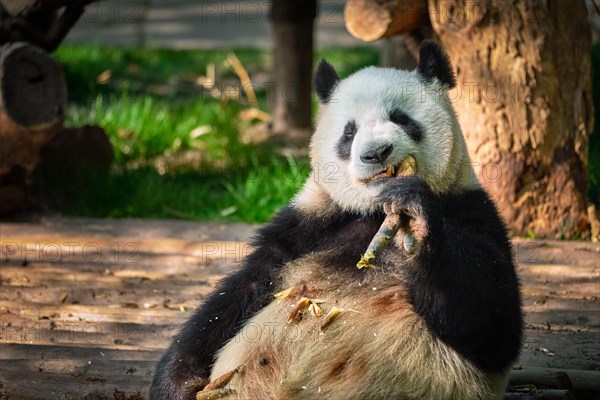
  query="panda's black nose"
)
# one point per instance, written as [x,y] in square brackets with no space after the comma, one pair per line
[378,155]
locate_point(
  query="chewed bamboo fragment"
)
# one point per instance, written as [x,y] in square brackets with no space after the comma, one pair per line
[284,294]
[214,394]
[331,316]
[314,307]
[301,305]
[222,380]
[216,389]
[387,231]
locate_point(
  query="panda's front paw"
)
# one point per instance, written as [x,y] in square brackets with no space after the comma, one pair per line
[409,195]
[412,198]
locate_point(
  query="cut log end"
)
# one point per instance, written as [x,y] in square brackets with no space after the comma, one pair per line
[33,92]
[33,98]
[370,20]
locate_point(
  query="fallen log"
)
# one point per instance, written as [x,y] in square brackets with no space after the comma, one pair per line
[576,380]
[370,20]
[544,394]
[549,379]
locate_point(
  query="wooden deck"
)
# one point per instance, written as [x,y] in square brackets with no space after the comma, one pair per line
[88,306]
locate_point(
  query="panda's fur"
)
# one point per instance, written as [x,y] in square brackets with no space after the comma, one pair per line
[438,321]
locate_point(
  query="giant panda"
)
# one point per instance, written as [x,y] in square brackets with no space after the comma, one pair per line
[437,317]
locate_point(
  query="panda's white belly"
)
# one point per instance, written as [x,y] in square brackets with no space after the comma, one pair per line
[378,348]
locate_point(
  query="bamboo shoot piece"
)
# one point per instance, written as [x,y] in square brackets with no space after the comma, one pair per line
[216,389]
[214,394]
[331,316]
[387,231]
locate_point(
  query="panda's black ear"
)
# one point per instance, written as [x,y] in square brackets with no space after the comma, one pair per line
[434,64]
[326,80]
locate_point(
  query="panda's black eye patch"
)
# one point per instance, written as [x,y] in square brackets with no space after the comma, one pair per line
[344,145]
[412,129]
[350,129]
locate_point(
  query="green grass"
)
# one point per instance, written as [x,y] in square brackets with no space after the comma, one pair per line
[242,194]
[149,104]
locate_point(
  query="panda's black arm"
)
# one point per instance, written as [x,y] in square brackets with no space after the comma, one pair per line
[462,280]
[189,358]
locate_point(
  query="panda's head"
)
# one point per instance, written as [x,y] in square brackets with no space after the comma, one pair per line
[379,123]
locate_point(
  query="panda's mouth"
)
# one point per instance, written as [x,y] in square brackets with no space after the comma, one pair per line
[407,167]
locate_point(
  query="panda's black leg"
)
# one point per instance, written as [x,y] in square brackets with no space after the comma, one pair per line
[186,365]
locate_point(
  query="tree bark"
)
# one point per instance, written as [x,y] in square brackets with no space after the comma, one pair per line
[292,65]
[525,106]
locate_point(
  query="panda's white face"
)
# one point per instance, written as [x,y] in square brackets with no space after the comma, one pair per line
[377,123]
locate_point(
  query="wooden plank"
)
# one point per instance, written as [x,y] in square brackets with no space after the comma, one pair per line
[87,313]
[19,351]
[27,380]
[123,335]
[560,349]
[127,252]
[42,275]
[151,295]
[198,231]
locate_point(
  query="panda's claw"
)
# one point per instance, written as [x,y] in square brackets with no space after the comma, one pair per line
[393,207]
[387,208]
[396,208]
[410,196]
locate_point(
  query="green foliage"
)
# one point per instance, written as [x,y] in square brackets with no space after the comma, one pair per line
[150,105]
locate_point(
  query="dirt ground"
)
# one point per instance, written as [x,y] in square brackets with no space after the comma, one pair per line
[88,306]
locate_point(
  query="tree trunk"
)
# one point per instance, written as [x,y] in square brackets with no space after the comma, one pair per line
[43,23]
[524,103]
[292,65]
